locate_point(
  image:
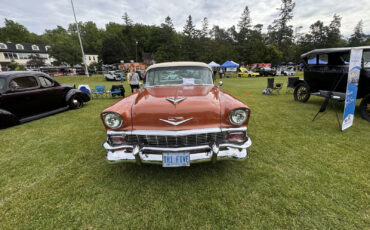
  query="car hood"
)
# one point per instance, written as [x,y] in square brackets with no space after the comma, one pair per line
[198,107]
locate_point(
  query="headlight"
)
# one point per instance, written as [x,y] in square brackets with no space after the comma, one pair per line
[112,120]
[238,116]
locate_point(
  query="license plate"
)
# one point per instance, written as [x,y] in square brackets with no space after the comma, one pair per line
[175,159]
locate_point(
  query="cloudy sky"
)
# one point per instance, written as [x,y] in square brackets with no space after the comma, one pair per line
[38,15]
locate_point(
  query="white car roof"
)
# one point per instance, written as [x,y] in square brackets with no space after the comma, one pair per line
[180,63]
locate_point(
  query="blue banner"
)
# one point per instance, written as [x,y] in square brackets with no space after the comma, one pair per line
[352,87]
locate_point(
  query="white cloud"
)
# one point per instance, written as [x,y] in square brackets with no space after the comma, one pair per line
[38,15]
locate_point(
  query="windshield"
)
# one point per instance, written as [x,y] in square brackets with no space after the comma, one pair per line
[179,75]
[2,83]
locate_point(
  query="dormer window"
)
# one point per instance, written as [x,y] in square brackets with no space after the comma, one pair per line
[35,47]
[3,46]
[19,47]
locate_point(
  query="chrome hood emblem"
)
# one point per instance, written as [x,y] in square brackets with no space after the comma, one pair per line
[175,120]
[175,100]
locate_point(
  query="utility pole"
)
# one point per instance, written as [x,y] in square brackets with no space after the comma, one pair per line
[79,38]
[136,52]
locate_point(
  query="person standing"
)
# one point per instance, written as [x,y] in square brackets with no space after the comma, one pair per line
[144,76]
[214,74]
[221,73]
[134,80]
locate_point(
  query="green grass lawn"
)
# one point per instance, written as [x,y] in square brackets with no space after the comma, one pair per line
[299,174]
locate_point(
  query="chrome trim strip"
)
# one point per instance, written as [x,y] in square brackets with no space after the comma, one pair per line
[243,146]
[175,133]
[214,147]
[176,149]
[175,100]
[234,129]
[174,122]
[109,147]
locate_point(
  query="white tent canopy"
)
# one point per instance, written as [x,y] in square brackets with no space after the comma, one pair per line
[213,64]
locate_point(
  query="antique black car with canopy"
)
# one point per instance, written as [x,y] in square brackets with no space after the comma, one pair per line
[27,95]
[326,71]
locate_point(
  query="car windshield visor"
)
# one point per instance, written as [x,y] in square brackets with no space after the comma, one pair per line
[179,75]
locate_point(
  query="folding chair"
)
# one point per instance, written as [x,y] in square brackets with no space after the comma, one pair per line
[274,87]
[290,86]
[99,90]
[117,90]
[85,88]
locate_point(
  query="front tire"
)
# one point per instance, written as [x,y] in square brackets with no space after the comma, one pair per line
[302,92]
[365,108]
[75,102]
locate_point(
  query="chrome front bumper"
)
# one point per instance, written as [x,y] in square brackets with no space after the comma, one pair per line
[201,153]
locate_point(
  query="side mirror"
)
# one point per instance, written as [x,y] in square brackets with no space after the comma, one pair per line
[220,83]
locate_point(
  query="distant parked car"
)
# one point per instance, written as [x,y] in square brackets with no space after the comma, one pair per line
[266,71]
[115,76]
[26,95]
[247,73]
[288,71]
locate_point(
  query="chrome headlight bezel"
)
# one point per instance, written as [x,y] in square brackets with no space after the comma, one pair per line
[240,111]
[112,115]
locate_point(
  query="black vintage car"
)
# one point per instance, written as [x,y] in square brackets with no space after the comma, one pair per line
[326,72]
[266,71]
[26,95]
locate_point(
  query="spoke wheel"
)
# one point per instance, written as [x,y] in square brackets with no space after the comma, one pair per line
[365,108]
[301,92]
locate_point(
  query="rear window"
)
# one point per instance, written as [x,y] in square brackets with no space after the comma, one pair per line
[323,59]
[23,83]
[45,82]
[366,57]
[311,59]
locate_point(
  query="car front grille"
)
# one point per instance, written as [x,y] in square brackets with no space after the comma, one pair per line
[175,141]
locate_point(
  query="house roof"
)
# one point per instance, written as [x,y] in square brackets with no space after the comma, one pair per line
[11,47]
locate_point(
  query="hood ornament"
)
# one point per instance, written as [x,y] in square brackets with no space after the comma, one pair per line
[176,120]
[175,100]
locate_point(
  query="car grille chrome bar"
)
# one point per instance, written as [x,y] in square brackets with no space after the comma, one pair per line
[175,141]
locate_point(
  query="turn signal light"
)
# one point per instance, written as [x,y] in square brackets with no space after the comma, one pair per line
[238,137]
[117,140]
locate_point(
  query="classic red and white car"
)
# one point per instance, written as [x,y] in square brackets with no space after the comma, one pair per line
[177,119]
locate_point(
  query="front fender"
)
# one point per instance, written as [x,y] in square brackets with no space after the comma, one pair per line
[81,94]
[7,119]
[300,81]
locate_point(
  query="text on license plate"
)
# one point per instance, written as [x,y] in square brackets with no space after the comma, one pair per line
[175,159]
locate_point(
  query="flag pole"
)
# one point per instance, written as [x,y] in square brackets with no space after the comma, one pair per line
[79,38]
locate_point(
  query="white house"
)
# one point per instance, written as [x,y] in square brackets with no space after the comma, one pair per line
[91,58]
[21,52]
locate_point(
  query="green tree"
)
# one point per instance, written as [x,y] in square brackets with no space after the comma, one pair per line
[113,50]
[358,37]
[205,28]
[189,28]
[168,24]
[127,20]
[91,36]
[280,33]
[334,35]
[17,33]
[244,24]
[36,61]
